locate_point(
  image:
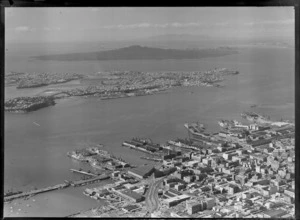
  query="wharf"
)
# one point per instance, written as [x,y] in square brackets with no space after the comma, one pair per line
[181,145]
[153,159]
[125,144]
[34,192]
[89,181]
[83,172]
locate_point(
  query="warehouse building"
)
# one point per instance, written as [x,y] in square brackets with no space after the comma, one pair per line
[142,172]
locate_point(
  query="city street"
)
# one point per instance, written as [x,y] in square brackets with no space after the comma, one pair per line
[152,195]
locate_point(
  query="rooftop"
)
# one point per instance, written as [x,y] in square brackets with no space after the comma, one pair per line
[275,213]
[131,194]
[177,198]
[143,170]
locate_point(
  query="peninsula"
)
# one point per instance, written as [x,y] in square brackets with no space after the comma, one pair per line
[107,85]
[28,104]
[31,80]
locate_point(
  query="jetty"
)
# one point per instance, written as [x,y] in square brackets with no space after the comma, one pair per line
[151,158]
[89,181]
[34,192]
[83,172]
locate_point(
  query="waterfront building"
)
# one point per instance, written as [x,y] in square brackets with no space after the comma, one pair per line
[142,172]
[164,172]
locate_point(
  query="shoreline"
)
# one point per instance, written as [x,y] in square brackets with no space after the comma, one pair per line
[124,95]
[41,205]
[113,85]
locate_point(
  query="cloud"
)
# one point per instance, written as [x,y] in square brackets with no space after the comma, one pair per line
[161,25]
[150,25]
[22,29]
[271,22]
[287,21]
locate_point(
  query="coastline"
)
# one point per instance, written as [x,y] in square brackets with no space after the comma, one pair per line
[121,87]
[42,205]
[28,104]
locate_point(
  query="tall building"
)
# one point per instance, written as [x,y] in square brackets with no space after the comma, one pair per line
[194,207]
[210,203]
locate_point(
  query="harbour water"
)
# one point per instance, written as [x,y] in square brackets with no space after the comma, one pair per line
[35,156]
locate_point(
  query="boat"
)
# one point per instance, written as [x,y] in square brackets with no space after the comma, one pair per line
[86,193]
[153,159]
[254,117]
[222,123]
[36,124]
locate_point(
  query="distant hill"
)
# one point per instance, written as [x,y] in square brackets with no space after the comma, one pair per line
[177,37]
[137,52]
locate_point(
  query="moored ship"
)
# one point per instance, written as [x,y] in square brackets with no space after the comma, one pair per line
[254,117]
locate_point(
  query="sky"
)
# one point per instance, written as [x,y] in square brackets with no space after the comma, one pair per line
[47,25]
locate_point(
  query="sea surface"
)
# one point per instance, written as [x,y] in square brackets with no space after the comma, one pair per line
[35,156]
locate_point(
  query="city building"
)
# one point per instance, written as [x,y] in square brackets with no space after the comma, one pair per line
[193,207]
[277,213]
[176,200]
[131,195]
[210,203]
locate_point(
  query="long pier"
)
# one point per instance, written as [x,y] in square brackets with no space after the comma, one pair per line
[83,172]
[58,186]
[153,159]
[89,181]
[125,144]
[34,192]
[181,145]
